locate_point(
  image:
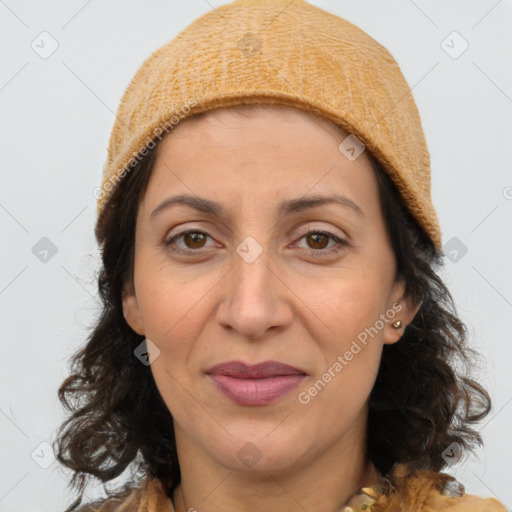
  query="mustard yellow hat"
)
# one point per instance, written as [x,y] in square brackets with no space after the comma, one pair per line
[278,52]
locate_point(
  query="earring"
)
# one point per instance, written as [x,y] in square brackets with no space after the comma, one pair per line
[397,324]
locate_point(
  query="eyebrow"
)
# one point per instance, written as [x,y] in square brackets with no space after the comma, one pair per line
[290,206]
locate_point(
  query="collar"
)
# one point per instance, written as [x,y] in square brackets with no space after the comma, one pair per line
[402,489]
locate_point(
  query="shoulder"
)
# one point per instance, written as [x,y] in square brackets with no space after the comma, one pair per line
[147,495]
[432,491]
[464,503]
[125,502]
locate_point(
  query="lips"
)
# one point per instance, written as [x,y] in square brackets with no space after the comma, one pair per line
[263,370]
[258,384]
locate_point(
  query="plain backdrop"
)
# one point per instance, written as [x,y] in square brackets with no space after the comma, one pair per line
[56,114]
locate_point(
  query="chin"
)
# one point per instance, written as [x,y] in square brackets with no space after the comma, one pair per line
[249,451]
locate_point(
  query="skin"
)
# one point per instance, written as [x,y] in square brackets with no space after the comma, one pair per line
[291,305]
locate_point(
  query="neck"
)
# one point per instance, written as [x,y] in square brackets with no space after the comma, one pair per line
[323,484]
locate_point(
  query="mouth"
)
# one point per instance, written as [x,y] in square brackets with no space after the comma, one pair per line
[258,384]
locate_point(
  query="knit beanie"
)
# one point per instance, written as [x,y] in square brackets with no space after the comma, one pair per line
[278,52]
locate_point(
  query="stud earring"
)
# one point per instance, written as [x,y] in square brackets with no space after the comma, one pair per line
[397,324]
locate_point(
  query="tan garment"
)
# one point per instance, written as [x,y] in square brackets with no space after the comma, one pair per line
[423,491]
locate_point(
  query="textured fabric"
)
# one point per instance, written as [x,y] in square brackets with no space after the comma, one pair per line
[278,52]
[421,491]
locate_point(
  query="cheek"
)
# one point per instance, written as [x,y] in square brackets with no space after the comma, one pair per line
[170,297]
[168,307]
[348,337]
[350,353]
[345,306]
[173,313]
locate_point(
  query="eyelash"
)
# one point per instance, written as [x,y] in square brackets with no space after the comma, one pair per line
[332,250]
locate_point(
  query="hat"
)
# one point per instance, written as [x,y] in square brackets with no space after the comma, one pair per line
[278,52]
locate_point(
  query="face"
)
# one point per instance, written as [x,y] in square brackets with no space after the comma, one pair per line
[249,270]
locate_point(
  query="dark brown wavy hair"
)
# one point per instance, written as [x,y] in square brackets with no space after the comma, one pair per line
[423,400]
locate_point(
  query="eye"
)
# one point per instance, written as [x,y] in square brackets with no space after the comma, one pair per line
[318,240]
[192,238]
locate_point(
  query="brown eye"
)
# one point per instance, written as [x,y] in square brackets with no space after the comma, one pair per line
[191,241]
[318,240]
[194,239]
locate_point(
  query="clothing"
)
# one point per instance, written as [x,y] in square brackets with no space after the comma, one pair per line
[278,52]
[422,491]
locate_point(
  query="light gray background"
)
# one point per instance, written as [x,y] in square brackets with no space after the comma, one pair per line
[56,116]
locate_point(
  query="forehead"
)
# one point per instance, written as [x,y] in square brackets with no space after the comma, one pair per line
[260,132]
[258,117]
[249,151]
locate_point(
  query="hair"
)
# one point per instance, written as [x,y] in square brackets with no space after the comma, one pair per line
[423,399]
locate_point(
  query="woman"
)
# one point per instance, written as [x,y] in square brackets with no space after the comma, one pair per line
[274,334]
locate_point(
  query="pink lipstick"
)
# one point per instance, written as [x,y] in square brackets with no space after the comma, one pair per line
[258,384]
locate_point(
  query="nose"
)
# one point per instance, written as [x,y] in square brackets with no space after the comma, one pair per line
[255,299]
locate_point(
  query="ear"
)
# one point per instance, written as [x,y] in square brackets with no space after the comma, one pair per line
[131,311]
[400,307]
